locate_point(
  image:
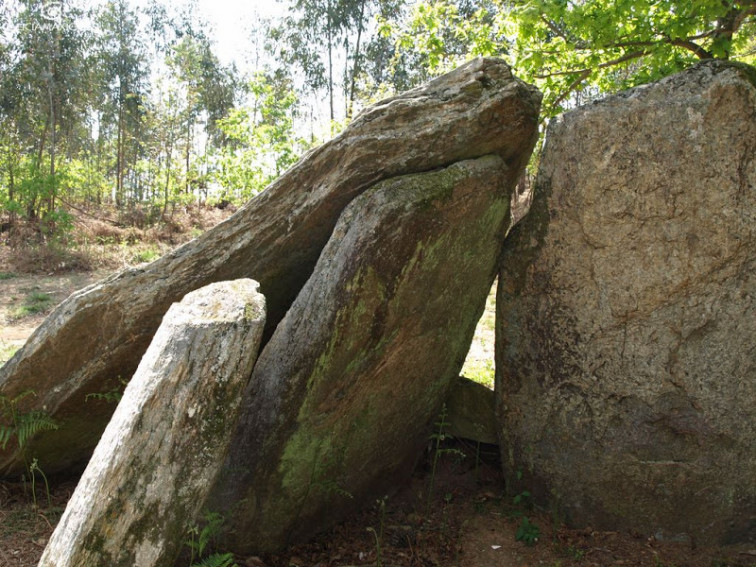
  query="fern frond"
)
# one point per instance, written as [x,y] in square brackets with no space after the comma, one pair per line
[29,424]
[112,396]
[217,560]
[213,524]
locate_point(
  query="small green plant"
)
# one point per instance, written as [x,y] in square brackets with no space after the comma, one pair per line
[378,535]
[523,499]
[437,438]
[7,276]
[147,255]
[6,351]
[575,552]
[112,396]
[23,426]
[198,540]
[35,470]
[528,532]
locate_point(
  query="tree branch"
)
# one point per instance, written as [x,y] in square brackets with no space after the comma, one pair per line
[699,51]
[584,74]
[579,44]
[617,61]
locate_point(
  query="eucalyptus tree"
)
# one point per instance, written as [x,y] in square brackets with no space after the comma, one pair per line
[122,75]
[48,94]
[205,90]
[326,40]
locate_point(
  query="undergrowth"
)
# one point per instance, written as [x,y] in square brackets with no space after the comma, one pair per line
[100,240]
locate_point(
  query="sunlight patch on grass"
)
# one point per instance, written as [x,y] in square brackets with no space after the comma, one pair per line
[480,371]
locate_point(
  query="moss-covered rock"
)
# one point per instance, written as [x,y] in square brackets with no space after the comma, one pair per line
[342,397]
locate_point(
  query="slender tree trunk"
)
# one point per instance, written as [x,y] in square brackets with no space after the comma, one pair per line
[329,35]
[168,156]
[53,141]
[98,166]
[11,187]
[345,78]
[186,154]
[119,158]
[356,66]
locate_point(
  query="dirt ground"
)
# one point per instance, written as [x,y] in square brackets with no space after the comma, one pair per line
[469,523]
[17,291]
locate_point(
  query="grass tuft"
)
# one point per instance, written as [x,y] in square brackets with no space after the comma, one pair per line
[36,302]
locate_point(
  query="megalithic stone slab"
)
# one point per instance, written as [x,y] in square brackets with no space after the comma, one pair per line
[341,399]
[99,334]
[626,317]
[154,466]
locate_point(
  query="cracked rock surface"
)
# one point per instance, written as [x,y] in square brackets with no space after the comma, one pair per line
[626,317]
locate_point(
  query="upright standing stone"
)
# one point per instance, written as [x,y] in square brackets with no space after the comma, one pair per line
[99,334]
[152,470]
[626,317]
[340,402]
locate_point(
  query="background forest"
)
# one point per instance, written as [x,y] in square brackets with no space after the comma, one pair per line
[123,110]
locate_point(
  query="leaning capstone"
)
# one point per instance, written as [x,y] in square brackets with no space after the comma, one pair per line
[151,472]
[96,338]
[626,317]
[340,402]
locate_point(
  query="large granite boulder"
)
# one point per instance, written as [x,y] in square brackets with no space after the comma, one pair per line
[153,468]
[97,336]
[626,316]
[341,399]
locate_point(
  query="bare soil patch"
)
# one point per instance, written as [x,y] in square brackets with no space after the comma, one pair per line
[23,303]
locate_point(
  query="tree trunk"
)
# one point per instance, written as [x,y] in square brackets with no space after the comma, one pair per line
[356,66]
[329,35]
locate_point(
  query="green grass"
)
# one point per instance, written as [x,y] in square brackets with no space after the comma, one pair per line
[36,302]
[7,276]
[480,371]
[145,255]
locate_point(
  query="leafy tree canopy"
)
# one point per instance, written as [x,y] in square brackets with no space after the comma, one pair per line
[581,46]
